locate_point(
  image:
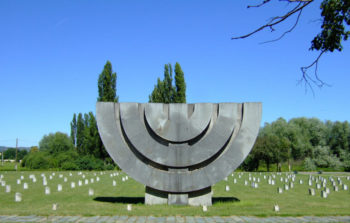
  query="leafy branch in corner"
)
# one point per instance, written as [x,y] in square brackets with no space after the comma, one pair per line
[335,19]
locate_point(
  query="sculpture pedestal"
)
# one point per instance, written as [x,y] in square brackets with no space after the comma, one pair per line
[194,198]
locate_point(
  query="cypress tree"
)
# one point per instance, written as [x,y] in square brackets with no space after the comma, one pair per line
[107,82]
[180,94]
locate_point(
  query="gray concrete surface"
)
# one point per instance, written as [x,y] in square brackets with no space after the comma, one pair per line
[181,148]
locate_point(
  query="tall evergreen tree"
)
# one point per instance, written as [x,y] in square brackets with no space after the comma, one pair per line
[107,82]
[168,84]
[165,92]
[73,130]
[180,95]
[80,134]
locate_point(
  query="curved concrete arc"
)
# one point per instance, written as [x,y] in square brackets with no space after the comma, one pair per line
[179,155]
[178,122]
[177,181]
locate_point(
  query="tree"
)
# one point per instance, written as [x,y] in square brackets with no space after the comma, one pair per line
[165,92]
[55,143]
[334,29]
[107,82]
[180,95]
[80,134]
[73,130]
[10,153]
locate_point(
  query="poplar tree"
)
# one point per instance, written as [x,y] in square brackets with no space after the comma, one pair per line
[80,133]
[73,130]
[107,82]
[165,92]
[180,94]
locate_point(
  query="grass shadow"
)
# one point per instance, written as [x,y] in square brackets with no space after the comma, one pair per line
[224,199]
[122,200]
[138,200]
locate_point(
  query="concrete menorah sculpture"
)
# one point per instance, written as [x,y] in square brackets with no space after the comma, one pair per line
[178,150]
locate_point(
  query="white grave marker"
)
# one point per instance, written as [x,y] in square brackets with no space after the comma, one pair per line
[91,192]
[47,190]
[18,197]
[8,188]
[59,187]
[129,207]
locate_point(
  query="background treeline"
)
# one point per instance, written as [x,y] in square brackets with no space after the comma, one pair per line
[301,144]
[10,154]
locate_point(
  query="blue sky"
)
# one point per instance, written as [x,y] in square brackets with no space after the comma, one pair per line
[51,53]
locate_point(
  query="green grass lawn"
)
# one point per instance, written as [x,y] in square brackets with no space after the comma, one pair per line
[110,200]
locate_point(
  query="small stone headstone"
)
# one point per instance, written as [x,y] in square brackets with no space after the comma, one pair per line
[72,184]
[18,181]
[335,188]
[328,191]
[300,181]
[44,182]
[129,207]
[50,177]
[25,186]
[80,183]
[345,187]
[234,180]
[59,187]
[53,174]
[70,174]
[286,187]
[272,182]
[312,191]
[92,180]
[279,190]
[269,181]
[323,194]
[83,176]
[60,176]
[54,207]
[123,179]
[8,189]
[245,183]
[18,197]
[126,178]
[114,183]
[318,186]
[97,179]
[86,181]
[91,192]
[310,182]
[47,190]
[227,188]
[225,179]
[276,208]
[348,178]
[65,179]
[22,177]
[3,183]
[291,185]
[205,208]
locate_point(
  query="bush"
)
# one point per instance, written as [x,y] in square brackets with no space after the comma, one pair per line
[38,160]
[69,166]
[89,163]
[309,164]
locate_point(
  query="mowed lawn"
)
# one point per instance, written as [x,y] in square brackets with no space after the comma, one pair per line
[107,199]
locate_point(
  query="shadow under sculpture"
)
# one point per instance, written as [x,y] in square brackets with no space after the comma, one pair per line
[178,150]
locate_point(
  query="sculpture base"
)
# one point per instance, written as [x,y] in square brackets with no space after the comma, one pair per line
[194,198]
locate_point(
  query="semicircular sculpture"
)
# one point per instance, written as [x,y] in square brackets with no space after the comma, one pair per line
[178,150]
